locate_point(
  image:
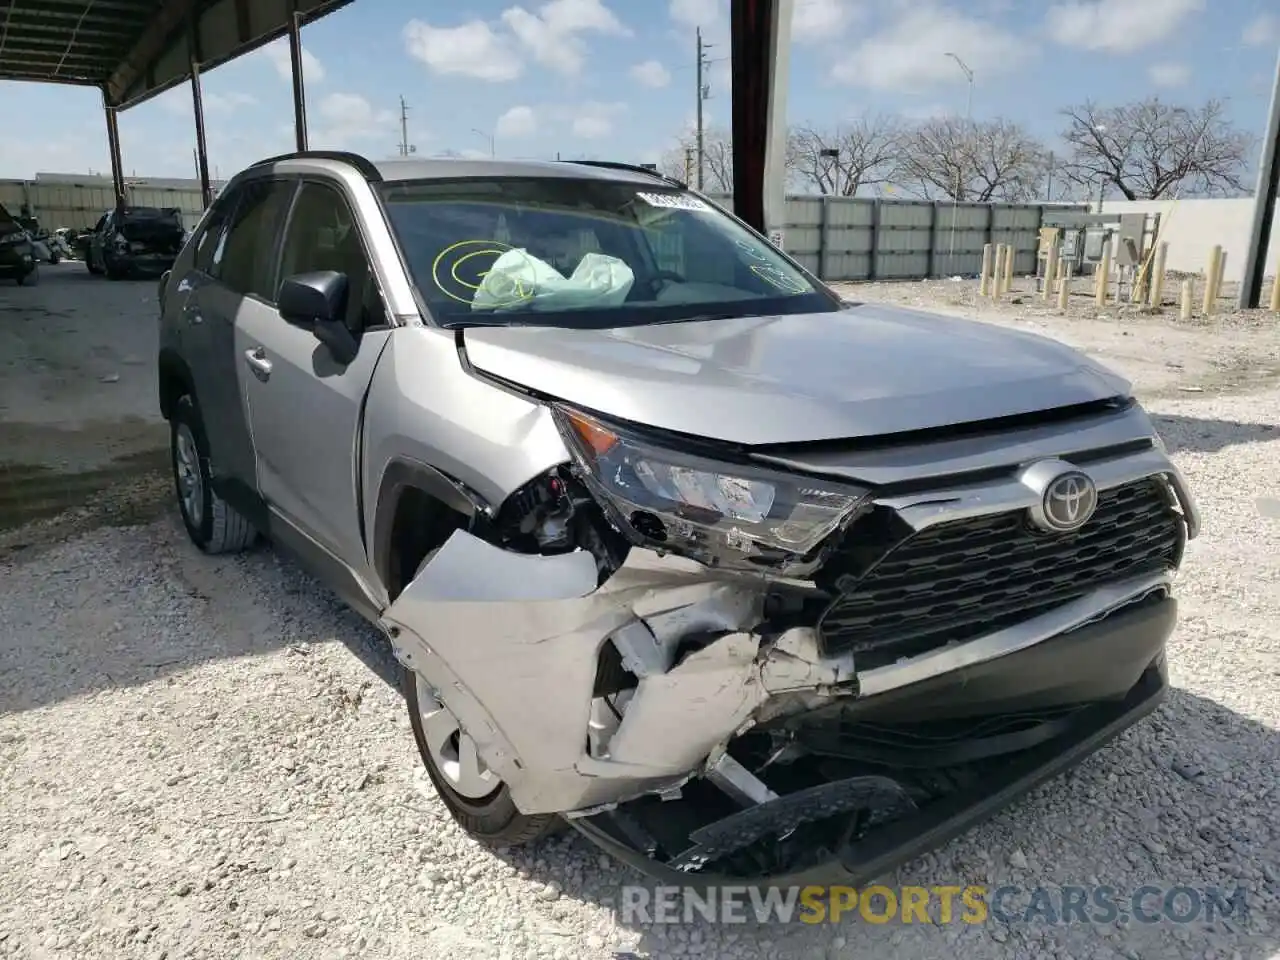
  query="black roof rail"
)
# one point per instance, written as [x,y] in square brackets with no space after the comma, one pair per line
[363,164]
[632,167]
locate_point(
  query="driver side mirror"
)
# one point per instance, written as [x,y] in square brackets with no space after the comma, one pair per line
[318,302]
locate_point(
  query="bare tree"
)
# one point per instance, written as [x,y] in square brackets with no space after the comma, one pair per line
[717,150]
[971,161]
[844,160]
[1151,149]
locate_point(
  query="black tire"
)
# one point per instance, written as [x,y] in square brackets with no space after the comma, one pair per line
[92,267]
[493,821]
[217,528]
[30,278]
[114,273]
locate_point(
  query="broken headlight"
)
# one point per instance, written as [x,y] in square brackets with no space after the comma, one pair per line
[719,513]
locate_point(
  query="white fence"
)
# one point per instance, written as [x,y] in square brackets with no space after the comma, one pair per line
[1193,227]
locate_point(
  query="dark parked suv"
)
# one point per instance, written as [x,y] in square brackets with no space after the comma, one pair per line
[17,254]
[133,241]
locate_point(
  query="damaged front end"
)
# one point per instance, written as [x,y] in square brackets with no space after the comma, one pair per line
[742,676]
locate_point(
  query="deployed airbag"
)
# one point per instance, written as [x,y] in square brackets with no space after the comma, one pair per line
[517,280]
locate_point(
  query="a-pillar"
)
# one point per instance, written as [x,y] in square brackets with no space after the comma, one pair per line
[760,50]
[113,146]
[299,85]
[197,107]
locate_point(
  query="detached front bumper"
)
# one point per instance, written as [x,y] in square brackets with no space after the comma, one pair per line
[512,644]
[882,849]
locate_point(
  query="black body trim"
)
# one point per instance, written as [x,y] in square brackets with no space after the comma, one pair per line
[400,476]
[631,168]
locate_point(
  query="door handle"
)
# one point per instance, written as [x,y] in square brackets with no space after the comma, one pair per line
[258,362]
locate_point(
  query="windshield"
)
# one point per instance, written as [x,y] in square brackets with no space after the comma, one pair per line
[585,253]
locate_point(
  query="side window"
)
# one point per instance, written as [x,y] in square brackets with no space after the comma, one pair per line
[102,222]
[322,235]
[212,240]
[244,261]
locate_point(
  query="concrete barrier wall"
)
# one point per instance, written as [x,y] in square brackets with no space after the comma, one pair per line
[1192,227]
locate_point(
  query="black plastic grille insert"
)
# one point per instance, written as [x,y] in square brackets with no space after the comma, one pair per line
[964,578]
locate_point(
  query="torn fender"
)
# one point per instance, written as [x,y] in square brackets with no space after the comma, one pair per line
[510,642]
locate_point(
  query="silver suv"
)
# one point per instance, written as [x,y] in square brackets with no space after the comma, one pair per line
[672,544]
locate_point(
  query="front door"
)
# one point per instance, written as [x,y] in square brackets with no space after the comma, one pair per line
[304,406]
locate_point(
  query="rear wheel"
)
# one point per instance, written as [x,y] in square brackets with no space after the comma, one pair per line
[476,798]
[213,525]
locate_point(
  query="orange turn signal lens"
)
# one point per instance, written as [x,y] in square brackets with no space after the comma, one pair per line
[597,438]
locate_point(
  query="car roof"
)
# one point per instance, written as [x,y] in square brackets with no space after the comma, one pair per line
[442,168]
[446,167]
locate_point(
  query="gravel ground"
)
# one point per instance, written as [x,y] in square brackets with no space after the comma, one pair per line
[200,757]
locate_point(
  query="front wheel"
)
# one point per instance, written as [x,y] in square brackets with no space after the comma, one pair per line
[477,800]
[213,525]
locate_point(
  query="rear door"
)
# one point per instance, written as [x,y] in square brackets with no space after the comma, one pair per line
[306,407]
[232,279]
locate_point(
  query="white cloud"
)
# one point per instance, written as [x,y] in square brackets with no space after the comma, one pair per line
[1262,31]
[278,53]
[345,119]
[707,14]
[520,121]
[651,73]
[910,54]
[1169,74]
[592,120]
[472,49]
[1118,26]
[814,21]
[553,35]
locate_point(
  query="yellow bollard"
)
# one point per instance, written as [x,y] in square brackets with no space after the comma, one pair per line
[1104,275]
[984,286]
[1275,286]
[1050,273]
[1064,287]
[1184,302]
[1210,274]
[1157,276]
[1217,280]
[1009,254]
[999,283]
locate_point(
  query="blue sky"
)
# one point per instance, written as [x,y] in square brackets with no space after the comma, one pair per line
[615,78]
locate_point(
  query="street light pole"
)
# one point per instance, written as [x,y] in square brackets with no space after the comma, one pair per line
[955,196]
[493,150]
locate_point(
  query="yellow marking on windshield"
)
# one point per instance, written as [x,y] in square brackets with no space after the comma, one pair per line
[493,248]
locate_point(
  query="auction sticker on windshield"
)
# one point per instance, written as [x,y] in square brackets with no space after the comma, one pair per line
[673,201]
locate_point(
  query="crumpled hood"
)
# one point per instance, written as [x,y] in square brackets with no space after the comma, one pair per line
[865,371]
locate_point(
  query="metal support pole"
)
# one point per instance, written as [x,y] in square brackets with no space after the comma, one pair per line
[299,85]
[113,145]
[1264,206]
[761,33]
[197,108]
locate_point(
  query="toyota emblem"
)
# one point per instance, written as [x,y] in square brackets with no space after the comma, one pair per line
[1068,503]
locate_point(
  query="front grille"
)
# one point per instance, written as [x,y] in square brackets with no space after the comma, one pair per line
[965,578]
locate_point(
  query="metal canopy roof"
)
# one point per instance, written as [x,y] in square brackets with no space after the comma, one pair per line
[135,49]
